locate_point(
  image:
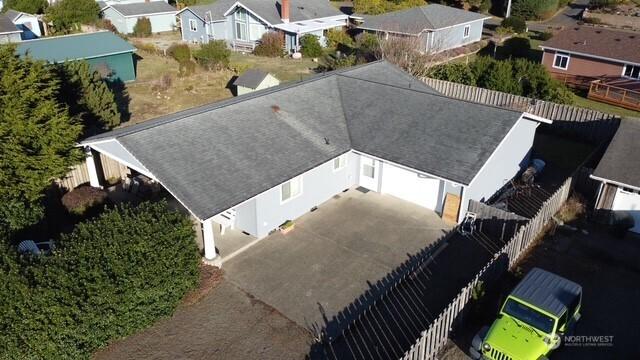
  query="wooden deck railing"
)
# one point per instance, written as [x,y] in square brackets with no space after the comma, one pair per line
[614,95]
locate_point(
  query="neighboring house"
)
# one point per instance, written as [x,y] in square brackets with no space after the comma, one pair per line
[28,23]
[259,160]
[9,32]
[125,16]
[619,173]
[254,79]
[105,51]
[607,62]
[593,53]
[242,23]
[438,27]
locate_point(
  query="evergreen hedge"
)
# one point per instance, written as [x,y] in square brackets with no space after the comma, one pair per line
[109,278]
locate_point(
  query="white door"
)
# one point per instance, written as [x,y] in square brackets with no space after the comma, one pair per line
[408,185]
[369,173]
[628,201]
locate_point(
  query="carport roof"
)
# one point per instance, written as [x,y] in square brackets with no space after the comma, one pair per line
[216,156]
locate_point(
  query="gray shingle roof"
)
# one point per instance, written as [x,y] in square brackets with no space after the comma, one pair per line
[216,156]
[547,291]
[251,78]
[417,19]
[620,162]
[13,14]
[143,8]
[270,10]
[7,26]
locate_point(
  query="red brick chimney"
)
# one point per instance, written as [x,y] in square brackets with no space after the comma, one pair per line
[284,11]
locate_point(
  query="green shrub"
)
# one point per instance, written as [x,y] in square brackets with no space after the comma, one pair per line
[109,278]
[545,35]
[213,55]
[334,62]
[514,76]
[147,48]
[599,4]
[310,46]
[142,28]
[516,23]
[517,46]
[179,52]
[534,9]
[271,45]
[187,68]
[337,37]
[67,15]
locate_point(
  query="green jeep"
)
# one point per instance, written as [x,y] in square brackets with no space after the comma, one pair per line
[533,318]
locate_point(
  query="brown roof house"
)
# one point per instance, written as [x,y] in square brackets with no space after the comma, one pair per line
[603,60]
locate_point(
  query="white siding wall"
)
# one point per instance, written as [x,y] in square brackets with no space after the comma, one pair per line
[511,156]
[628,201]
[159,23]
[266,212]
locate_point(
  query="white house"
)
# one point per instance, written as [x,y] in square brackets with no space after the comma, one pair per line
[619,173]
[437,27]
[258,160]
[9,32]
[253,80]
[125,16]
[28,23]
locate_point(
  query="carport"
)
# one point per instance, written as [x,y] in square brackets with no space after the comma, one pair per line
[351,244]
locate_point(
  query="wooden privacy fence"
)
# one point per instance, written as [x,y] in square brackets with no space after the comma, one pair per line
[80,175]
[590,125]
[435,337]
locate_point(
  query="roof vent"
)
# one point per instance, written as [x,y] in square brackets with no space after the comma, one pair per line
[275,108]
[576,28]
[632,36]
[598,31]
[616,39]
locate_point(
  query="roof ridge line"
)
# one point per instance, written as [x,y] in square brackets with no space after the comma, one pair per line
[432,94]
[163,120]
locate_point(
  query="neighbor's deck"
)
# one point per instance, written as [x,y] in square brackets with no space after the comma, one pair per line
[621,92]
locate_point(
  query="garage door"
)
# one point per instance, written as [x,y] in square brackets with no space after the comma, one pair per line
[407,185]
[628,201]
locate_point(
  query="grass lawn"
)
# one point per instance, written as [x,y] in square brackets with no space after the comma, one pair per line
[149,100]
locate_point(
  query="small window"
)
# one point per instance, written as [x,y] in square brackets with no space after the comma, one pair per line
[291,189]
[369,168]
[339,162]
[467,31]
[193,25]
[561,61]
[632,71]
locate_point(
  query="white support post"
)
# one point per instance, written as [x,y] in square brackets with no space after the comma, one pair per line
[209,243]
[94,181]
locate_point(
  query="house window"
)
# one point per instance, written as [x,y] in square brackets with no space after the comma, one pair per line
[193,25]
[561,61]
[467,31]
[632,71]
[369,168]
[339,162]
[291,189]
[242,24]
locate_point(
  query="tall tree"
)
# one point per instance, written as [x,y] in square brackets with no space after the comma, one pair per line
[68,15]
[37,137]
[28,6]
[88,96]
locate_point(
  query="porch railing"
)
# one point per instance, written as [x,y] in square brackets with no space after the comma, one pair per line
[614,95]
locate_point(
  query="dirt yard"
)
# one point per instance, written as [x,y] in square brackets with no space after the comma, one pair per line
[608,270]
[222,323]
[158,90]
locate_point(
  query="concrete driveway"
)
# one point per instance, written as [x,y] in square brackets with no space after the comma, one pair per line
[334,254]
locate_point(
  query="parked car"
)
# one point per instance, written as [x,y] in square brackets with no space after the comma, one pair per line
[539,311]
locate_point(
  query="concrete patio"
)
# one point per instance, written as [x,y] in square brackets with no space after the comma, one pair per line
[334,254]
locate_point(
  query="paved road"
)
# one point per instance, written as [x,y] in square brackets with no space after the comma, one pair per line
[567,17]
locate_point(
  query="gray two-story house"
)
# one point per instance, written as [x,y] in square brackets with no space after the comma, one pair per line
[242,23]
[438,27]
